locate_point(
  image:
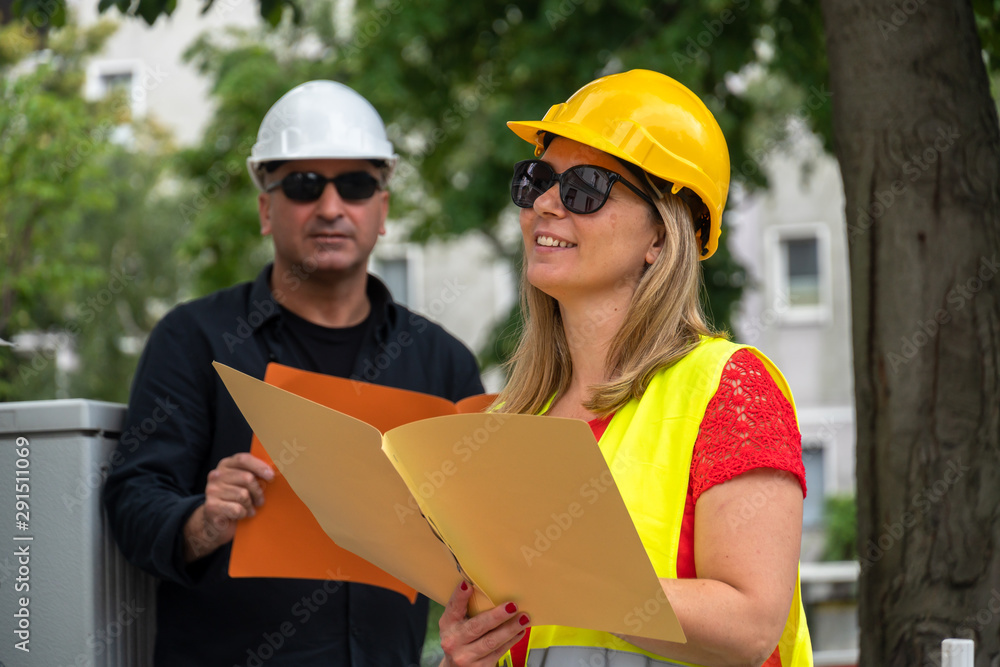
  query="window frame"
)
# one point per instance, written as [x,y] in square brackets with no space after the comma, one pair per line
[779,293]
[98,68]
[412,255]
[825,449]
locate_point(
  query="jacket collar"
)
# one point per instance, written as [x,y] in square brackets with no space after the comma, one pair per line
[384,309]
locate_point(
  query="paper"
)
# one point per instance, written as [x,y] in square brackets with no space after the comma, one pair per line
[526,504]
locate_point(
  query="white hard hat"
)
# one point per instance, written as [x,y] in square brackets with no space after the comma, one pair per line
[320,119]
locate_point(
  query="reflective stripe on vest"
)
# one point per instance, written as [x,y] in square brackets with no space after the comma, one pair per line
[590,656]
[648,447]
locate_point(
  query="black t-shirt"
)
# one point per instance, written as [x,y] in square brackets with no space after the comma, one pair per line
[327,350]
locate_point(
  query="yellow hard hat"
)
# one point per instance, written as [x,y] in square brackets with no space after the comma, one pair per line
[652,121]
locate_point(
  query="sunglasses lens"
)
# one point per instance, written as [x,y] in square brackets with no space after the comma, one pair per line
[531,180]
[355,185]
[303,186]
[307,186]
[585,189]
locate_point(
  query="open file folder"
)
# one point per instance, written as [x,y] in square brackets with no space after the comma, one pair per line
[284,539]
[519,505]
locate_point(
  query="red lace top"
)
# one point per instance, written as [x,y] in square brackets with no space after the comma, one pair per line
[748,424]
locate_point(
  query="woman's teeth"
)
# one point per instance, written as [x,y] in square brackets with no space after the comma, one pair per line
[550,242]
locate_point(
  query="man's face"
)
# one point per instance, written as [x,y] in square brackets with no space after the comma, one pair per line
[330,237]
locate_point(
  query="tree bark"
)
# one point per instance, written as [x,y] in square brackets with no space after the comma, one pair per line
[917,138]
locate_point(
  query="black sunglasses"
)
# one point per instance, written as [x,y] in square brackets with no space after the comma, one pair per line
[583,189]
[307,186]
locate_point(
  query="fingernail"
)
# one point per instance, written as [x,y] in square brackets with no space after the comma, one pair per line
[465,586]
[511,607]
[523,620]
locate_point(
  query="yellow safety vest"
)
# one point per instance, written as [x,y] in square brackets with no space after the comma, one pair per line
[648,446]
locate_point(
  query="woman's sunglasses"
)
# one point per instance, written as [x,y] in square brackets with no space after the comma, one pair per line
[308,186]
[583,189]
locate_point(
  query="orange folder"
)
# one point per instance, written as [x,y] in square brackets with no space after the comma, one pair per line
[283,539]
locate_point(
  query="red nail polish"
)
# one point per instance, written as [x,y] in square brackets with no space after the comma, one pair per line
[511,607]
[523,620]
[465,586]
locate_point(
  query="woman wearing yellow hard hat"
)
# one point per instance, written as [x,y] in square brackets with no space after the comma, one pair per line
[624,197]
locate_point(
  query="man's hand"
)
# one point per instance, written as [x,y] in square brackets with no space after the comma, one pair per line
[232,493]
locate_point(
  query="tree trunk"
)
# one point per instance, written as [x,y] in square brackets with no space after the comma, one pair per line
[918,143]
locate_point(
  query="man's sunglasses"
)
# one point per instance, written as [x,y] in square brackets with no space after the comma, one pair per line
[583,189]
[307,186]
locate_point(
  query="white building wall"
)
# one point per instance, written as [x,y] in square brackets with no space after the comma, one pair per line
[461,284]
[166,88]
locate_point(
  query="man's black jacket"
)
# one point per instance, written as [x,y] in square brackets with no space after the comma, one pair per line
[181,422]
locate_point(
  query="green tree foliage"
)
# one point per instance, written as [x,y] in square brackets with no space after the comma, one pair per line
[82,245]
[841,528]
[53,12]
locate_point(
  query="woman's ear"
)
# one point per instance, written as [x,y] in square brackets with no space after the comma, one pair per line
[657,244]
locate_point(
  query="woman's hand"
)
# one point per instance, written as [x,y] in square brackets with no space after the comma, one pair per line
[481,640]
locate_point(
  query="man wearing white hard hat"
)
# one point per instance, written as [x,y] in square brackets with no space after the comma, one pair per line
[184,475]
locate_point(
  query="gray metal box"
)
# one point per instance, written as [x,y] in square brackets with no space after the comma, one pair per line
[64,586]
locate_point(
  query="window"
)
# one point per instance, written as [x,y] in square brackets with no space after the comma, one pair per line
[802,265]
[105,77]
[800,281]
[812,459]
[112,82]
[394,272]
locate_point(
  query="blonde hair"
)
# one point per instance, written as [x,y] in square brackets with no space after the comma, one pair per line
[663,322]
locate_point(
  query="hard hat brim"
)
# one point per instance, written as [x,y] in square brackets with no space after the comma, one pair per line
[254,163]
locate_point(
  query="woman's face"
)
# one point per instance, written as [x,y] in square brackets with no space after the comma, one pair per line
[572,255]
